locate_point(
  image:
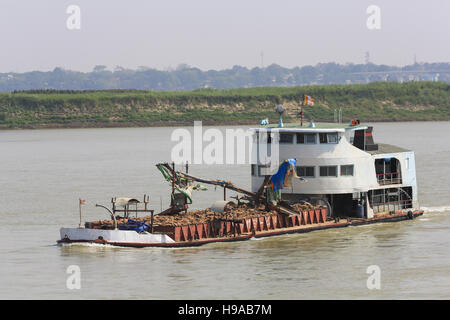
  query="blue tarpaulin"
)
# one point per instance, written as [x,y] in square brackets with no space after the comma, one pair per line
[278,178]
[138,226]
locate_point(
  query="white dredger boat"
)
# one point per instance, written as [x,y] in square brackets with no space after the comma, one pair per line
[350,181]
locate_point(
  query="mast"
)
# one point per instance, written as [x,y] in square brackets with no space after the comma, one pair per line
[301,110]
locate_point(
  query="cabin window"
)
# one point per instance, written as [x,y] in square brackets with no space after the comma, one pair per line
[328,171]
[332,138]
[388,171]
[347,170]
[323,137]
[306,172]
[306,138]
[254,168]
[263,170]
[259,170]
[286,138]
[310,138]
[328,137]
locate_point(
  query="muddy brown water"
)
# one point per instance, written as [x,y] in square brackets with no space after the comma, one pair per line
[43,173]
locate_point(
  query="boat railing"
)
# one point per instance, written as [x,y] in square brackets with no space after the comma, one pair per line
[389,178]
[392,205]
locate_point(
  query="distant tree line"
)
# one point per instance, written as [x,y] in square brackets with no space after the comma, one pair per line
[189,78]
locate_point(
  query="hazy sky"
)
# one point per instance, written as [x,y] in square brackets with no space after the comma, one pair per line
[212,34]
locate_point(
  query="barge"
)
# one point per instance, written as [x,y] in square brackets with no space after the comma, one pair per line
[329,175]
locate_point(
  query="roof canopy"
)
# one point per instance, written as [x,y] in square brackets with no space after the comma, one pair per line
[126,201]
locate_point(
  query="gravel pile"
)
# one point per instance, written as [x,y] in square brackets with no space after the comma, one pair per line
[203,216]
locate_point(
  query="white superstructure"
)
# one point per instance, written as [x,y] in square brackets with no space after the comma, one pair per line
[344,167]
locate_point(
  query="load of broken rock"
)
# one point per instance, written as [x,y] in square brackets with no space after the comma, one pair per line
[231,212]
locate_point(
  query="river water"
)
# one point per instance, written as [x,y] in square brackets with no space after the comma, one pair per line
[43,173]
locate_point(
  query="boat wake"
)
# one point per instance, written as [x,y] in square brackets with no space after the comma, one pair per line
[436,209]
[86,244]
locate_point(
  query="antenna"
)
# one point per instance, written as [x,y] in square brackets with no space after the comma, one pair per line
[262,59]
[301,114]
[367,57]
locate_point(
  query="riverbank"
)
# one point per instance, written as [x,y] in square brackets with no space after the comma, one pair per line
[373,102]
[57,126]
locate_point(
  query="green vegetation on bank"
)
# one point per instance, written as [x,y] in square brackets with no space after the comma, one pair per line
[381,101]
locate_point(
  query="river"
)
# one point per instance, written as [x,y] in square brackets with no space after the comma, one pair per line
[43,173]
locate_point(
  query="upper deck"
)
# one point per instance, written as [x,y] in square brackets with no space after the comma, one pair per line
[360,132]
[384,148]
[318,127]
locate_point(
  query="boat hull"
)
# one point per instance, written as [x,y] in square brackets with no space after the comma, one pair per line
[133,239]
[113,237]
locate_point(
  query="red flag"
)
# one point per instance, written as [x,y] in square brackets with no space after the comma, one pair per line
[308,100]
[82,201]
